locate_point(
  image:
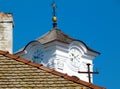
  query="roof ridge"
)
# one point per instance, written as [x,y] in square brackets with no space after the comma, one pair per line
[40,66]
[55,34]
[47,33]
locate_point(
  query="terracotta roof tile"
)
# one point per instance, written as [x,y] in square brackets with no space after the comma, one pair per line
[34,64]
[22,60]
[58,73]
[16,72]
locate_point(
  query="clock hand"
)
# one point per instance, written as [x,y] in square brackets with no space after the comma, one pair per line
[71,59]
[76,56]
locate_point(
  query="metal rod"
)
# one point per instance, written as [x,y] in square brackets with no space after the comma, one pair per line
[54,8]
[89,77]
[88,72]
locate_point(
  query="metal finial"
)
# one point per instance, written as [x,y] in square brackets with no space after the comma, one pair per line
[54,8]
[54,18]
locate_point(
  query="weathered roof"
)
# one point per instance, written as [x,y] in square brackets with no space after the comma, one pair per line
[19,73]
[55,34]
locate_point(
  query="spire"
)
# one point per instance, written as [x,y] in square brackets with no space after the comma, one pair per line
[54,18]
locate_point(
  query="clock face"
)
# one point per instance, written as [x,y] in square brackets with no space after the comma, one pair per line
[37,56]
[75,56]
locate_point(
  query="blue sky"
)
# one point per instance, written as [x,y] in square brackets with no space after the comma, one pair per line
[95,22]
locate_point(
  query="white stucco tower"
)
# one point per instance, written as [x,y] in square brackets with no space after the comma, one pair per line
[6,26]
[59,51]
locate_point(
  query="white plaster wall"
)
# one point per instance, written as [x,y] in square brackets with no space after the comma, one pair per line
[57,55]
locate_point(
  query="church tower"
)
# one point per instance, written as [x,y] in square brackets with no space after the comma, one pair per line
[6,26]
[61,52]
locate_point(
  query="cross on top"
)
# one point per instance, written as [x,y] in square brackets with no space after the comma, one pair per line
[88,72]
[54,19]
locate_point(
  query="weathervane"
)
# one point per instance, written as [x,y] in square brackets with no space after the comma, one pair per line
[88,72]
[54,18]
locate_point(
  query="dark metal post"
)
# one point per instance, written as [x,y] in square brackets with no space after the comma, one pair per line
[89,77]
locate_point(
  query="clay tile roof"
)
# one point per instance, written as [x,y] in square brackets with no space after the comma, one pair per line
[19,73]
[55,34]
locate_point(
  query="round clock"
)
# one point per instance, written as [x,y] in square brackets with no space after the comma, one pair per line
[37,56]
[75,57]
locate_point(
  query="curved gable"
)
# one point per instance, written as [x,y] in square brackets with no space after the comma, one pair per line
[84,48]
[32,50]
[78,45]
